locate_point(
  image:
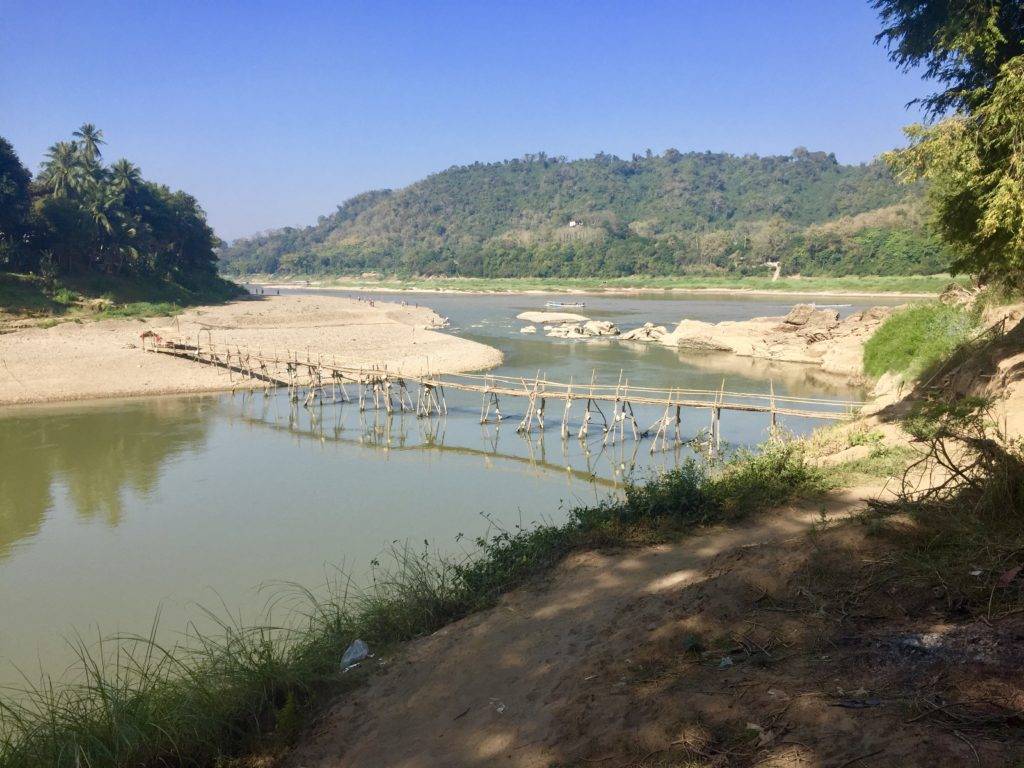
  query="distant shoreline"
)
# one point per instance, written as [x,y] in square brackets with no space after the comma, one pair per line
[450,289]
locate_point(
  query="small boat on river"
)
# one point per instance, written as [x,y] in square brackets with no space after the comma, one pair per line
[564,304]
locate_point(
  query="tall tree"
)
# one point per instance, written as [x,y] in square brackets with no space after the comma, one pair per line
[63,171]
[14,190]
[973,160]
[962,45]
[91,217]
[14,204]
[125,176]
[89,139]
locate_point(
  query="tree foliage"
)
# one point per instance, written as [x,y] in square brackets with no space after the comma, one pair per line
[974,159]
[961,44]
[604,216]
[79,215]
[14,200]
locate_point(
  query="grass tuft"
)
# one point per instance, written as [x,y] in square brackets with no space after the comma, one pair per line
[141,309]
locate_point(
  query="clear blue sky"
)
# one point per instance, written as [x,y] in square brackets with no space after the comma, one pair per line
[273,113]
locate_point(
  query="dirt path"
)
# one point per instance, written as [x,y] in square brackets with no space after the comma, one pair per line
[73,361]
[674,655]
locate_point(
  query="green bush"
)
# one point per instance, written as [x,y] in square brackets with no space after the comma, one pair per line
[918,338]
[757,481]
[143,309]
[65,296]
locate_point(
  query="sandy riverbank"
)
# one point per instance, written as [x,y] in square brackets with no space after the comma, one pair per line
[73,361]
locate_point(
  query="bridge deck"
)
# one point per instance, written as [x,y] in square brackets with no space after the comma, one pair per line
[292,369]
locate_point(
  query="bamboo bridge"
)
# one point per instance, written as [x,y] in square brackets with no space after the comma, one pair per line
[321,378]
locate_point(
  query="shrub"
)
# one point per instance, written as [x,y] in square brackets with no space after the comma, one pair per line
[958,517]
[65,296]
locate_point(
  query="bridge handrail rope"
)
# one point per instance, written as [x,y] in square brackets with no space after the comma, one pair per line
[660,390]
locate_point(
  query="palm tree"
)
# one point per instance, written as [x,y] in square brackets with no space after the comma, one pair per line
[90,138]
[100,204]
[63,171]
[116,226]
[125,176]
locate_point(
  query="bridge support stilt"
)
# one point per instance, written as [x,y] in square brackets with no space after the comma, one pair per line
[660,428]
[490,399]
[404,399]
[585,426]
[428,401]
[526,424]
[293,386]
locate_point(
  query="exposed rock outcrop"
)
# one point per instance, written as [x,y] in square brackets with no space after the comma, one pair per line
[567,332]
[809,316]
[728,336]
[587,330]
[600,328]
[567,325]
[957,295]
[553,318]
[806,334]
[646,332]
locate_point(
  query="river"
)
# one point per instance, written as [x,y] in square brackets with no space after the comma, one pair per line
[109,511]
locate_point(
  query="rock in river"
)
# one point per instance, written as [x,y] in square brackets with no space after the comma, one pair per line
[805,335]
[646,332]
[600,328]
[554,318]
[588,330]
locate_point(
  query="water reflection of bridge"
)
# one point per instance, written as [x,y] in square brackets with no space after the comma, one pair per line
[321,378]
[594,462]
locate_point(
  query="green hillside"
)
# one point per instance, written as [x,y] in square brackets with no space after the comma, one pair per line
[668,214]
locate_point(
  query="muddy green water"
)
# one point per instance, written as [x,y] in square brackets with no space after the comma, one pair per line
[111,511]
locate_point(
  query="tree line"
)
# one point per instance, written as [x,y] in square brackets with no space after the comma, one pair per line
[673,213]
[79,215]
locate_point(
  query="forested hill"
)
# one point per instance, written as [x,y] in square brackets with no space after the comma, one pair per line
[662,214]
